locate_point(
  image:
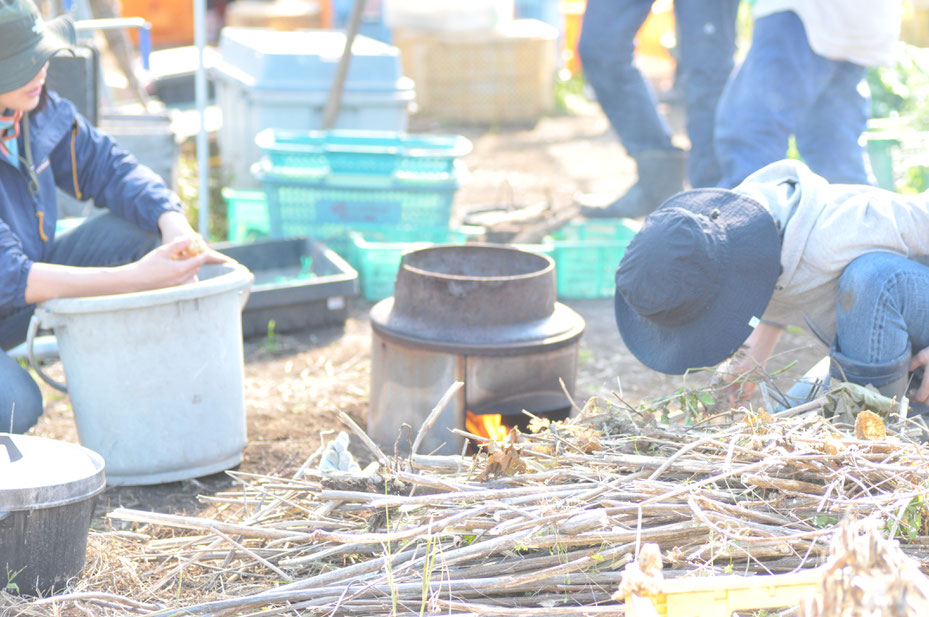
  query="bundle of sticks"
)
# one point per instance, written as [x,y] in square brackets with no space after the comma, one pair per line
[541,523]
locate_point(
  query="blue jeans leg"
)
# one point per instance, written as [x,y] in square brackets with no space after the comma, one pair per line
[775,94]
[104,240]
[706,40]
[882,318]
[20,398]
[606,48]
[829,134]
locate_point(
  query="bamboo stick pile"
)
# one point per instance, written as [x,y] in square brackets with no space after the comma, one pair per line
[538,524]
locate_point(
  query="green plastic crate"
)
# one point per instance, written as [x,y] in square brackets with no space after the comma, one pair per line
[345,151]
[586,256]
[248,221]
[880,155]
[297,204]
[246,214]
[377,257]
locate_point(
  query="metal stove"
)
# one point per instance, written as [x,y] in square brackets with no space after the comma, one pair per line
[482,314]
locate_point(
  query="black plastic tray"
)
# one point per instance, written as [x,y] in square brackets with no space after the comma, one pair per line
[297,303]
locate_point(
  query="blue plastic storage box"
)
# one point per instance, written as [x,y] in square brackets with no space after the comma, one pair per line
[548,11]
[276,79]
[372,18]
[385,153]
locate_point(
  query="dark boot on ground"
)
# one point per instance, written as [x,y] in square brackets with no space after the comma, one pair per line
[902,386]
[661,174]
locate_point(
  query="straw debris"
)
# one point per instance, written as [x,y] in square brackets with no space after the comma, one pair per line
[542,523]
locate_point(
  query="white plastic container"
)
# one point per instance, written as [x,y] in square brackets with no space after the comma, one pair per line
[281,80]
[449,15]
[155,378]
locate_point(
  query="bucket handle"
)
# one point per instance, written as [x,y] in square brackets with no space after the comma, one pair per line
[34,323]
[12,451]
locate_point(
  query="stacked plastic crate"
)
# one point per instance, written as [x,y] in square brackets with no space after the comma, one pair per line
[267,78]
[367,194]
[472,62]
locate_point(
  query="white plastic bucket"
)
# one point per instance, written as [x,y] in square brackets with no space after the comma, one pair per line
[156,377]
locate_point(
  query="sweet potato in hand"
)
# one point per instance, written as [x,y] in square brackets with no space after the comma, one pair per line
[196,246]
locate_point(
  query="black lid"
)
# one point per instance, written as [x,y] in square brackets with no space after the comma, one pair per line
[36,472]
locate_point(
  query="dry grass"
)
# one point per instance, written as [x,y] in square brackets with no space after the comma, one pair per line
[540,524]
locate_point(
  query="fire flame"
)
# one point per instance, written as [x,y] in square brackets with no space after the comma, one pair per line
[486,425]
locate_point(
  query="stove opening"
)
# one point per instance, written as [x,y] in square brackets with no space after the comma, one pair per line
[486,425]
[494,420]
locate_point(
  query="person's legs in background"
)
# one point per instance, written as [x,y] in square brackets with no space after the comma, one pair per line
[829,134]
[706,45]
[882,319]
[104,240]
[607,48]
[769,96]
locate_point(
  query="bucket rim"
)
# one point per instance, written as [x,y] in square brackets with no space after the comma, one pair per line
[236,279]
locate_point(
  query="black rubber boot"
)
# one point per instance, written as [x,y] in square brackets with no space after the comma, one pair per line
[661,174]
[895,389]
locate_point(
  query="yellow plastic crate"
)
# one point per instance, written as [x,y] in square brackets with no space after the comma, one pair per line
[720,596]
[495,76]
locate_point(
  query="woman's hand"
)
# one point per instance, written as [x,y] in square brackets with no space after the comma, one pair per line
[173,226]
[165,266]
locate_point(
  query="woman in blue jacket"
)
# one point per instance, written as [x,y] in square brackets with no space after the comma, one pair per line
[137,244]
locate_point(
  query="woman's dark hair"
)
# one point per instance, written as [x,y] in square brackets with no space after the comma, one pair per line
[43,99]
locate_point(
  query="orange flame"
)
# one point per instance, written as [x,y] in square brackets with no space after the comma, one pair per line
[486,425]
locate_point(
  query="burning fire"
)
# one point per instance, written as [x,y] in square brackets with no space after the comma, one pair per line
[486,425]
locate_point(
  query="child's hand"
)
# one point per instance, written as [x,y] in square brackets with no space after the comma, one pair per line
[921,393]
[732,375]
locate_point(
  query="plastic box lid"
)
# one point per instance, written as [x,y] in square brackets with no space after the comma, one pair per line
[263,58]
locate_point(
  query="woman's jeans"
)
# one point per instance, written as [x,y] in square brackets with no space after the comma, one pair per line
[104,240]
[706,44]
[783,88]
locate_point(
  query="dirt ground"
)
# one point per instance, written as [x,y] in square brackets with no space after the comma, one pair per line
[294,390]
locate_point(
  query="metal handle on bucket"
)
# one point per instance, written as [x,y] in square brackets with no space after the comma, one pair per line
[30,339]
[12,451]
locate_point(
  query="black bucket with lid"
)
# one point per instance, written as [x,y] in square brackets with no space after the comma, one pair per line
[48,491]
